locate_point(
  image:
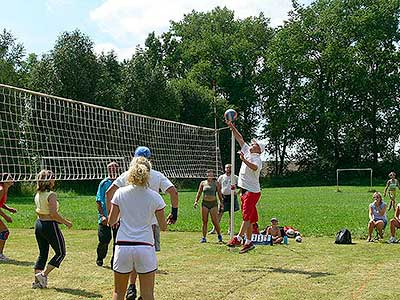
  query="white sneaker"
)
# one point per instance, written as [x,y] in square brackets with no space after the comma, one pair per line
[42,279]
[393,240]
[3,257]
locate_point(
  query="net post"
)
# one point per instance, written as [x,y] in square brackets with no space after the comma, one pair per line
[337,180]
[232,216]
[371,179]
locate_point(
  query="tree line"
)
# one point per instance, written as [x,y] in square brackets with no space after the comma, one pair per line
[322,89]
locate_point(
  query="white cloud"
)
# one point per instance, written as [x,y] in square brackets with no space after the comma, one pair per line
[129,22]
[122,53]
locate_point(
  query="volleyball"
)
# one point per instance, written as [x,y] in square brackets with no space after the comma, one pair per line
[230,115]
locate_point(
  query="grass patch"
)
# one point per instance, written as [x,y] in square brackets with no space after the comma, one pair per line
[315,211]
[314,269]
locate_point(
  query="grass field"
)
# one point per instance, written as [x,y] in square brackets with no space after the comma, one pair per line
[315,211]
[314,269]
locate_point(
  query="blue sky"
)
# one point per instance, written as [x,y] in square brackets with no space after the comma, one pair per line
[115,24]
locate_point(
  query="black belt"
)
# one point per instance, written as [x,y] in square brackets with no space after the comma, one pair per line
[125,243]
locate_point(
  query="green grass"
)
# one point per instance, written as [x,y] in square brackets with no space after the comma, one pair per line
[314,269]
[315,211]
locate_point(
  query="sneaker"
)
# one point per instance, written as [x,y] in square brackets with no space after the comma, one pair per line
[234,242]
[99,262]
[42,279]
[246,248]
[3,257]
[392,240]
[219,238]
[131,292]
[203,240]
[212,231]
[36,285]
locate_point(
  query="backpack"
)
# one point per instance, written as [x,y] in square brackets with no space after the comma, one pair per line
[343,237]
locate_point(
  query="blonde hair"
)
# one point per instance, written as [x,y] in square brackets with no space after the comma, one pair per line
[139,171]
[43,180]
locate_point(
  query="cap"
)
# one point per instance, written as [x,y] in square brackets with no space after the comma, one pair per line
[274,219]
[142,151]
[260,144]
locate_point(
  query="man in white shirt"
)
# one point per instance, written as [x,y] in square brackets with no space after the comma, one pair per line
[157,182]
[249,183]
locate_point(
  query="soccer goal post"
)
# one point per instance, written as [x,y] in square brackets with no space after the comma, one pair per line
[345,170]
[77,140]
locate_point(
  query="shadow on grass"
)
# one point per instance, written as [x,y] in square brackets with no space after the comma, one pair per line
[17,263]
[292,271]
[78,292]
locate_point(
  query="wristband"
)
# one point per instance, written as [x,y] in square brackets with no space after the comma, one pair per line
[174,213]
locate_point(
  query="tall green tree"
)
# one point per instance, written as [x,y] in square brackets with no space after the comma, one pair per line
[146,90]
[75,66]
[108,80]
[207,46]
[11,58]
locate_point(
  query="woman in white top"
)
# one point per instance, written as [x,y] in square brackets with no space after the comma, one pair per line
[47,231]
[135,206]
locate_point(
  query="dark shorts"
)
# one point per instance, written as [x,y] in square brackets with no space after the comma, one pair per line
[227,203]
[249,209]
[384,222]
[209,204]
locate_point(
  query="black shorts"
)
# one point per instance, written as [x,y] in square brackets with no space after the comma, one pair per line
[227,203]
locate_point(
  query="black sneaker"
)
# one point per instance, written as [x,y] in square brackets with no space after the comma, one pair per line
[99,262]
[131,292]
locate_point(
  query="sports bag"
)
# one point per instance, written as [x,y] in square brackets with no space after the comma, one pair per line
[343,237]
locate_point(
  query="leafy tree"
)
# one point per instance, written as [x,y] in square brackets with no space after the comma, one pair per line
[108,81]
[145,89]
[215,46]
[11,57]
[75,66]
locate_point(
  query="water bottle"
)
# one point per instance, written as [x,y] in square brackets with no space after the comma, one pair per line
[269,240]
[285,240]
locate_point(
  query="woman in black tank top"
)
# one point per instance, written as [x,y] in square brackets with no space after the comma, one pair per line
[209,205]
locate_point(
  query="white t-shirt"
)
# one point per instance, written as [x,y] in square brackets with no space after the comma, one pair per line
[137,207]
[225,182]
[157,182]
[249,179]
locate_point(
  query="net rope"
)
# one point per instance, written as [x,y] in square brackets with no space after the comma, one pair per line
[77,140]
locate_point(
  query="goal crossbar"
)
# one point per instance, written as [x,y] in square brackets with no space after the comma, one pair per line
[353,169]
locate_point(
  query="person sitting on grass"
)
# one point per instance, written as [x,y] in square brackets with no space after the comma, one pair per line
[377,216]
[394,224]
[275,231]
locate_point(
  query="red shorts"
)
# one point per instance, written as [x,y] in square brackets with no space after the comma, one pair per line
[249,209]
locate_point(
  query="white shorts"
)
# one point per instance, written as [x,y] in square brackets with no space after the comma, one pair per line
[140,258]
